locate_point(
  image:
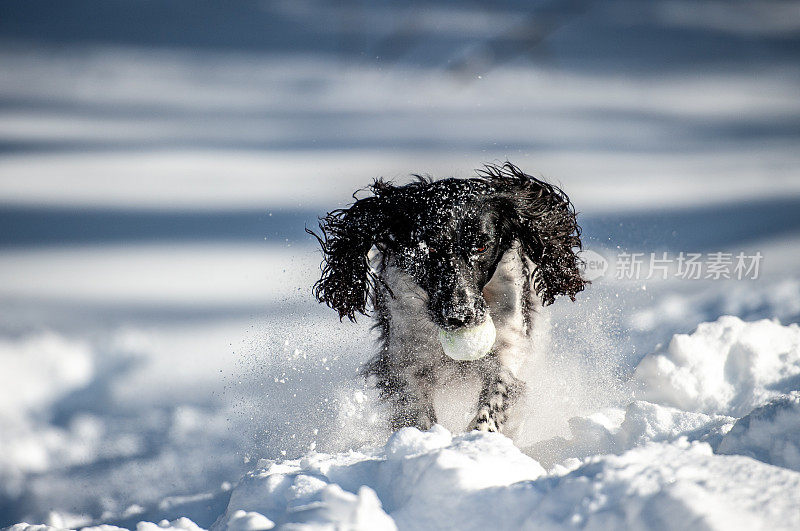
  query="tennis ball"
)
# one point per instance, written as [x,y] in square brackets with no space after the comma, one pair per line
[469,344]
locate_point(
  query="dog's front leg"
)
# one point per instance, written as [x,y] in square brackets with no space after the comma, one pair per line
[508,295]
[412,402]
[500,391]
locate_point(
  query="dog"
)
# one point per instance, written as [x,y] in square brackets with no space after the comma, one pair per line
[446,254]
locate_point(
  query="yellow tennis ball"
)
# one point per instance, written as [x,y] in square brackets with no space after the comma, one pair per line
[469,344]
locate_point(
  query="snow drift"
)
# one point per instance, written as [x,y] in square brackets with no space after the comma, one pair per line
[657,462]
[480,481]
[727,367]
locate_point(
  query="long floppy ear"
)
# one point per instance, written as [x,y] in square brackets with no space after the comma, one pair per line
[541,217]
[347,235]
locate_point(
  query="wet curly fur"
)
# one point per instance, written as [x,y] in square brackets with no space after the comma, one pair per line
[436,254]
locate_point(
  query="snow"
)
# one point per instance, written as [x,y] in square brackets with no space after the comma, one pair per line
[726,367]
[669,457]
[164,365]
[39,369]
[619,143]
[432,481]
[770,433]
[416,475]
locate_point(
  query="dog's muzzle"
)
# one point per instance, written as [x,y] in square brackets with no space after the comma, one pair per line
[459,310]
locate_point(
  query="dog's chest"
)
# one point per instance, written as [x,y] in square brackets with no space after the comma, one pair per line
[414,336]
[411,332]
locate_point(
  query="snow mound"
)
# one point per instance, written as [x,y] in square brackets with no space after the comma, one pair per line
[676,485]
[616,430]
[246,521]
[645,462]
[38,370]
[695,389]
[179,524]
[726,367]
[770,433]
[431,481]
[647,422]
[430,475]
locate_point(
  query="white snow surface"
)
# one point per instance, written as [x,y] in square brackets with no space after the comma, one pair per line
[478,481]
[770,433]
[659,472]
[727,367]
[656,463]
[169,377]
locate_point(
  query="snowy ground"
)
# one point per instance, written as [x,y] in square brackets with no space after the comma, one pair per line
[161,355]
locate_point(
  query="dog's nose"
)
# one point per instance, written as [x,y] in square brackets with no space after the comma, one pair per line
[455,322]
[458,317]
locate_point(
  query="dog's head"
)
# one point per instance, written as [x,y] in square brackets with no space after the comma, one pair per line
[450,235]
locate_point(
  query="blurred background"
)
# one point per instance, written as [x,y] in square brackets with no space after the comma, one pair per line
[159,161]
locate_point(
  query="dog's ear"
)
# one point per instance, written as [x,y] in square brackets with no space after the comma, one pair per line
[347,235]
[541,217]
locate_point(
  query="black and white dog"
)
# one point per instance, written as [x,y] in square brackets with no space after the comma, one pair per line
[444,254]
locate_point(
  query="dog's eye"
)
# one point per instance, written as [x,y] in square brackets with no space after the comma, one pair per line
[425,248]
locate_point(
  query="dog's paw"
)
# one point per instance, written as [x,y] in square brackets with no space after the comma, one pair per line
[483,421]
